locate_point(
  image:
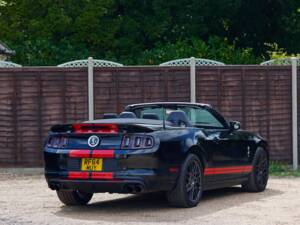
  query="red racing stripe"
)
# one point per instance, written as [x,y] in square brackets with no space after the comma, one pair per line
[102,175]
[79,153]
[78,175]
[95,154]
[103,154]
[227,170]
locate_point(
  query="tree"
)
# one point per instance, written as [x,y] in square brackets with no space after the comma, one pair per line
[50,32]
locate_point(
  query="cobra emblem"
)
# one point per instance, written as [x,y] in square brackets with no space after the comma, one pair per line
[93,141]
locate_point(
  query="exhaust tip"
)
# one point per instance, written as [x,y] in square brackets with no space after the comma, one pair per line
[133,188]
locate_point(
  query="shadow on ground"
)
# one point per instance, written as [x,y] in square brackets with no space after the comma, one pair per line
[154,207]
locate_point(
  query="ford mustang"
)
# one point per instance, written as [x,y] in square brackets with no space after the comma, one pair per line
[181,149]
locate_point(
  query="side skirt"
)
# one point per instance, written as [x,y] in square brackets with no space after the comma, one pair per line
[223,183]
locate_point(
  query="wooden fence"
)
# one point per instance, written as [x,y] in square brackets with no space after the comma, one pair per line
[34,98]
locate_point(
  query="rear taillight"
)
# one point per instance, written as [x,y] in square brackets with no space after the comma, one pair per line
[134,141]
[57,142]
[95,128]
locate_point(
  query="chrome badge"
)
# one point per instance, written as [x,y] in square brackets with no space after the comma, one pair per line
[93,141]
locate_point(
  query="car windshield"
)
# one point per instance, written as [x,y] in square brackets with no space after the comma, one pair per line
[198,116]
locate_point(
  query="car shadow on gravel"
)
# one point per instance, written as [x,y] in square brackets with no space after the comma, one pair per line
[155,208]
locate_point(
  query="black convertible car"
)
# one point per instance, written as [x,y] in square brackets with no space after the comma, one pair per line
[179,148]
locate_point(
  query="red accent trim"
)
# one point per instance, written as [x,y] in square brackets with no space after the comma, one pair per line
[95,153]
[102,175]
[173,170]
[79,154]
[103,154]
[227,170]
[78,175]
[83,128]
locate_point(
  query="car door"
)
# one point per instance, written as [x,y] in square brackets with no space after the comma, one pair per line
[226,147]
[232,148]
[235,149]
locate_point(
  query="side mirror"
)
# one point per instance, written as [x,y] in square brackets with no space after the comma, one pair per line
[234,125]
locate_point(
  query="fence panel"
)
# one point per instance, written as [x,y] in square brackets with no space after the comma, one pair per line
[256,97]
[178,84]
[28,117]
[280,116]
[75,91]
[155,85]
[31,101]
[115,88]
[259,97]
[8,146]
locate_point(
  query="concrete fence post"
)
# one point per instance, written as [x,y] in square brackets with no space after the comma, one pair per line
[90,88]
[294,113]
[193,79]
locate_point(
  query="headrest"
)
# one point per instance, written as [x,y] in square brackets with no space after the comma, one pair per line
[110,115]
[127,115]
[150,116]
[179,118]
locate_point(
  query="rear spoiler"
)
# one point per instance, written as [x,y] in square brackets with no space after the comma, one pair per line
[61,128]
[86,128]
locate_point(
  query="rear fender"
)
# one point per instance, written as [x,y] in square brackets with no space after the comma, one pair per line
[197,150]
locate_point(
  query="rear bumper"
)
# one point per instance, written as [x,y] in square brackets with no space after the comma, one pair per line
[135,181]
[122,172]
[93,186]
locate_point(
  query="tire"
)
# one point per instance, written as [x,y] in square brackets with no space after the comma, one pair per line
[259,176]
[74,197]
[188,190]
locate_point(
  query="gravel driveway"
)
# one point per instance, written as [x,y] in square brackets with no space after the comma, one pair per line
[26,199]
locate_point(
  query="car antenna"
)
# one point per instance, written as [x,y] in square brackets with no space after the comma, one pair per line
[164,115]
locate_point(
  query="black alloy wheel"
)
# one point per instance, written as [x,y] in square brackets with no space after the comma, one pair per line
[188,189]
[193,181]
[258,179]
[261,170]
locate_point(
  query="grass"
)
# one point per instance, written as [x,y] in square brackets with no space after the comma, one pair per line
[279,169]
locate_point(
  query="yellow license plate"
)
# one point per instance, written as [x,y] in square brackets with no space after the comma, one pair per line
[91,164]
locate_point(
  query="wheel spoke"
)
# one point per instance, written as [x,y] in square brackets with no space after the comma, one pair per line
[191,193]
[193,180]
